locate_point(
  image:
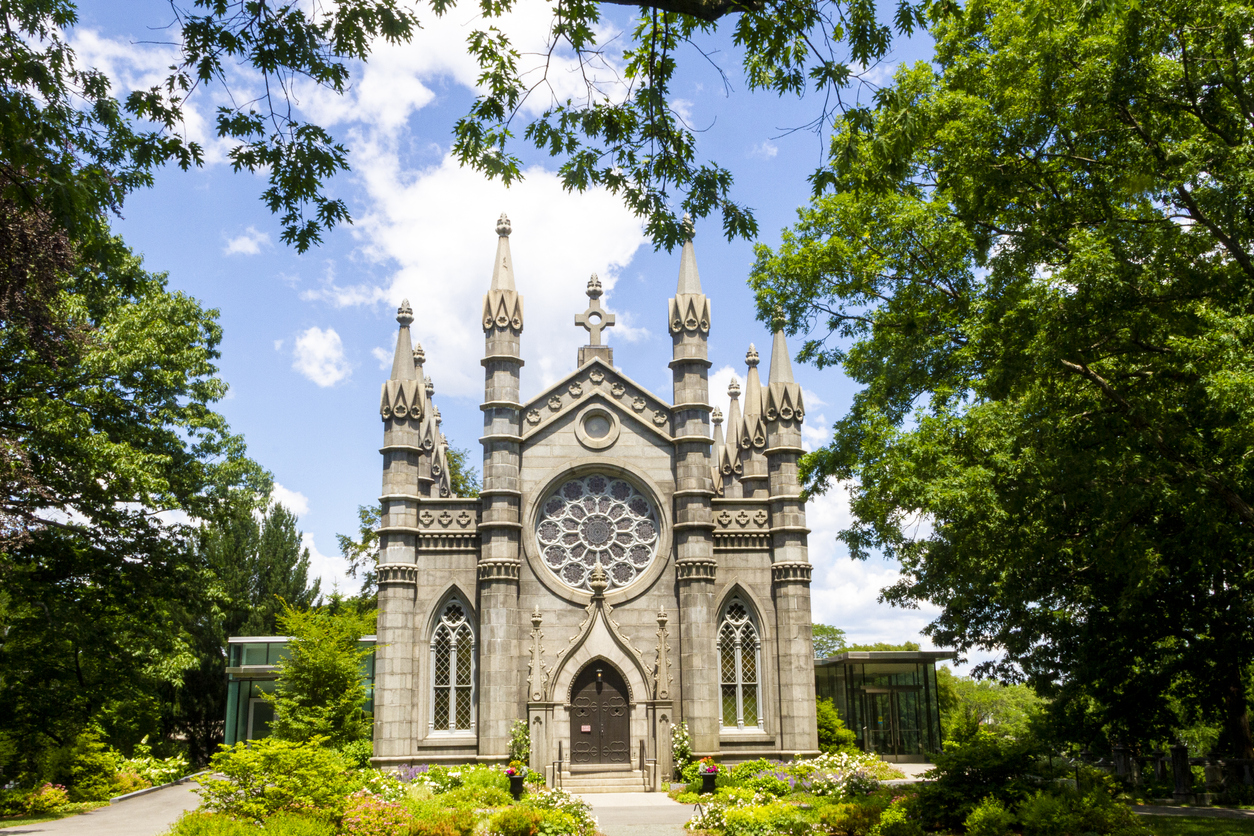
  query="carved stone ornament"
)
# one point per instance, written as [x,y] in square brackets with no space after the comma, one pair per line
[555,403]
[743,518]
[427,518]
[618,390]
[575,389]
[760,517]
[445,518]
[638,404]
[463,519]
[724,519]
[596,376]
[660,418]
[538,672]
[533,417]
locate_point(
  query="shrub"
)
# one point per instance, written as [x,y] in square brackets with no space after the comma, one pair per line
[366,815]
[93,768]
[383,785]
[357,753]
[560,801]
[833,736]
[966,773]
[431,827]
[853,819]
[1046,814]
[12,801]
[520,741]
[681,746]
[897,821]
[154,770]
[989,818]
[769,785]
[516,821]
[200,823]
[128,782]
[272,776]
[774,819]
[47,799]
[291,824]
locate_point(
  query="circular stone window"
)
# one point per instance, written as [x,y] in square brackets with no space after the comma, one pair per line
[596,427]
[595,518]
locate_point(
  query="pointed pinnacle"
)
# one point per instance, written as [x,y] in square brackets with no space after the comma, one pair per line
[751,356]
[733,389]
[503,228]
[503,267]
[405,314]
[781,363]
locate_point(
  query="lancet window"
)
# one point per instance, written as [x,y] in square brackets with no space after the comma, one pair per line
[739,661]
[453,670]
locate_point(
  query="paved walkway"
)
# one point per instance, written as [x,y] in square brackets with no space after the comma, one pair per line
[1195,812]
[638,813]
[144,815]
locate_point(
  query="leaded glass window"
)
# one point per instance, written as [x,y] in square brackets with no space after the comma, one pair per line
[739,660]
[597,518]
[453,671]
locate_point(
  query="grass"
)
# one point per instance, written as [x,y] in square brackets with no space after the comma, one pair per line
[1197,826]
[66,811]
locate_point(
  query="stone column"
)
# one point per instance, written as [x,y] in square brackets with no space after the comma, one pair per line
[783,411]
[406,480]
[501,699]
[689,325]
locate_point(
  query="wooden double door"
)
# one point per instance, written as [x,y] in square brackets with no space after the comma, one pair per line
[598,717]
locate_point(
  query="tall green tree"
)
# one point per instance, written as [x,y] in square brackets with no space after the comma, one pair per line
[319,691]
[828,640]
[1036,258]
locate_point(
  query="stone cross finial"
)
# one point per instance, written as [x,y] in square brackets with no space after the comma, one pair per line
[503,228]
[594,318]
[751,356]
[717,415]
[404,314]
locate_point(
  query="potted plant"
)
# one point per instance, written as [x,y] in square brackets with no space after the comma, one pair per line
[708,770]
[516,771]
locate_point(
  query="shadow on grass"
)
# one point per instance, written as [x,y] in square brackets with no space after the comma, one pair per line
[1191,826]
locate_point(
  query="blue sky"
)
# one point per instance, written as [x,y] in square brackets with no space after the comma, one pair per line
[308,337]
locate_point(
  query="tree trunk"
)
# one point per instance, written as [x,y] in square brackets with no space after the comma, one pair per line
[1236,740]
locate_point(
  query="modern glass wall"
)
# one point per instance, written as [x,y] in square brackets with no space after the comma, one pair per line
[250,672]
[887,698]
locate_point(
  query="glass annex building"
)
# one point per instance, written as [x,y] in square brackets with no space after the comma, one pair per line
[251,671]
[887,698]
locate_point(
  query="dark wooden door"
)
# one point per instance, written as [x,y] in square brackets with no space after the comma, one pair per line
[598,717]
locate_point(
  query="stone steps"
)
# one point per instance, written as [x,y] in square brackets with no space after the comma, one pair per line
[617,781]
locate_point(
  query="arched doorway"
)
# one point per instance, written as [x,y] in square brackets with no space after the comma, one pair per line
[598,717]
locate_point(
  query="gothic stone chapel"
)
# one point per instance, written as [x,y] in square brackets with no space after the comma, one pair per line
[621,571]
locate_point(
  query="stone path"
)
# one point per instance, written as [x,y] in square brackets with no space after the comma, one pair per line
[145,815]
[638,813]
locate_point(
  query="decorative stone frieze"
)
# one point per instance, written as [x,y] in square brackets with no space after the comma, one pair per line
[696,570]
[498,569]
[397,574]
[791,572]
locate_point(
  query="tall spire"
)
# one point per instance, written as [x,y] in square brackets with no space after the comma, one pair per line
[403,359]
[781,365]
[753,385]
[689,278]
[503,268]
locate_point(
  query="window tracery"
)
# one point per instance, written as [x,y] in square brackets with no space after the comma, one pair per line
[739,662]
[453,670]
[597,517]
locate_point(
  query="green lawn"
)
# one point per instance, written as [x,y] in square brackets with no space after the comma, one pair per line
[1197,826]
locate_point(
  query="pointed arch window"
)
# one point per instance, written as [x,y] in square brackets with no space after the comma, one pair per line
[453,670]
[739,661]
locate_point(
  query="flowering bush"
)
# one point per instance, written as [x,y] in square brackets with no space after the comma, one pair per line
[385,786]
[681,746]
[367,815]
[841,774]
[708,766]
[272,775]
[154,770]
[46,799]
[573,809]
[713,815]
[128,782]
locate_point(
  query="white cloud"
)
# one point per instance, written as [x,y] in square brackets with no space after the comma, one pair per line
[331,569]
[383,356]
[319,356]
[294,501]
[438,226]
[278,345]
[764,149]
[343,297]
[248,243]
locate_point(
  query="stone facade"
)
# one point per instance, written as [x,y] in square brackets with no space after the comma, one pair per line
[615,537]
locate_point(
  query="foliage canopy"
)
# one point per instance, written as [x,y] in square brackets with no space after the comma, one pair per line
[1036,259]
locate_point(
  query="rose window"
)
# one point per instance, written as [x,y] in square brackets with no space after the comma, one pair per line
[597,518]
